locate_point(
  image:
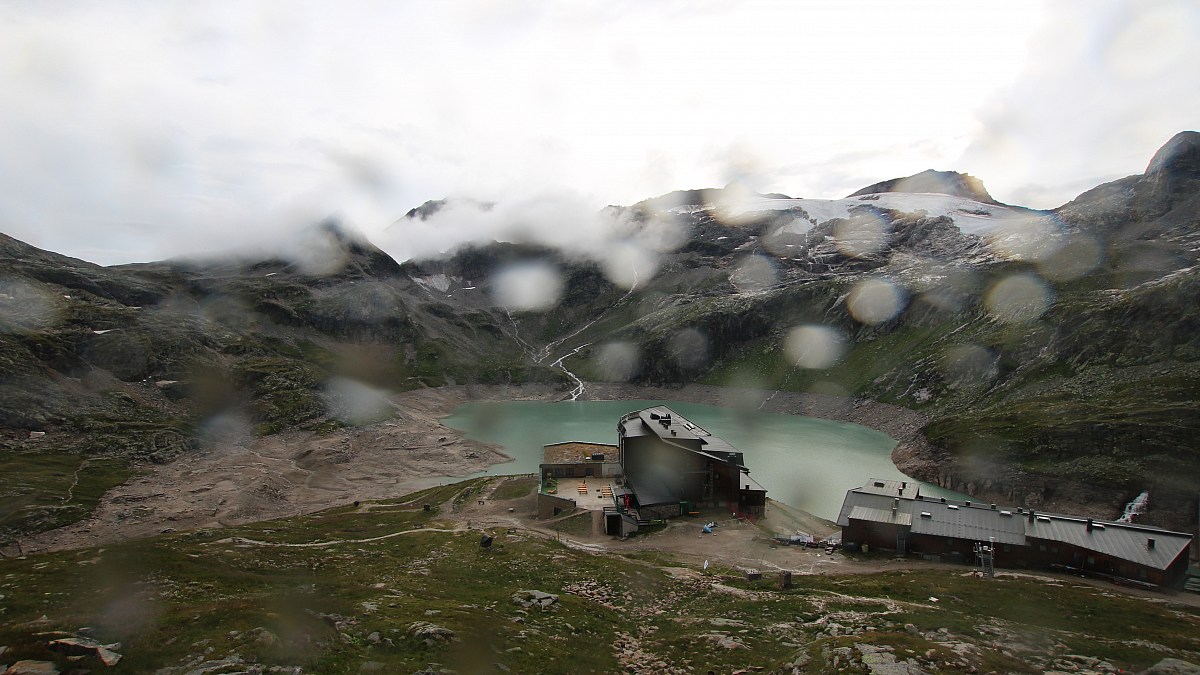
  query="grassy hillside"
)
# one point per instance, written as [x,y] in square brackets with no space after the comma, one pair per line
[393,587]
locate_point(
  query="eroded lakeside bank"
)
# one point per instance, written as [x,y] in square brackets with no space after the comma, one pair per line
[236,481]
[913,455]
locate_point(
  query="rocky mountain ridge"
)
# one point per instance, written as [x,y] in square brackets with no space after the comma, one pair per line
[1051,351]
[940,182]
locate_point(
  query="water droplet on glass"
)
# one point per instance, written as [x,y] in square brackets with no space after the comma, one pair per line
[534,286]
[875,300]
[814,346]
[1018,298]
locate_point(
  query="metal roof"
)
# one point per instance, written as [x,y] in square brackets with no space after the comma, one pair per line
[748,483]
[1119,540]
[683,428]
[959,521]
[892,488]
[977,522]
[870,501]
[897,517]
[681,433]
[632,425]
[944,520]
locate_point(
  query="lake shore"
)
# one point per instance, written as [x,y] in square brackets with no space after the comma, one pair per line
[287,474]
[913,455]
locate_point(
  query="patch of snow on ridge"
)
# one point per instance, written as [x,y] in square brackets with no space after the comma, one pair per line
[970,216]
[440,282]
[687,209]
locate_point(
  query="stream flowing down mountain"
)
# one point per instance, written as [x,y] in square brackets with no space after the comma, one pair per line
[1051,356]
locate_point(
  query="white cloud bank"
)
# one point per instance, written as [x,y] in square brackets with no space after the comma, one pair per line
[136,131]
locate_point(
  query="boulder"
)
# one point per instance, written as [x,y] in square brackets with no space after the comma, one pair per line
[724,641]
[424,630]
[266,638]
[82,646]
[531,598]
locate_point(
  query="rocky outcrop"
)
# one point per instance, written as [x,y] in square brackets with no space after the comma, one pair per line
[82,646]
[534,599]
[941,182]
[430,632]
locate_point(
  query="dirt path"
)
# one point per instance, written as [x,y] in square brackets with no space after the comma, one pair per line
[740,545]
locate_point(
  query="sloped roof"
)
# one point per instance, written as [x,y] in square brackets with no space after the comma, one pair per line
[897,517]
[892,488]
[854,498]
[745,482]
[977,522]
[680,433]
[1119,540]
[966,522]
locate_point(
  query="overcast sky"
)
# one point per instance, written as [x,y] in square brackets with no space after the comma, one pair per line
[134,131]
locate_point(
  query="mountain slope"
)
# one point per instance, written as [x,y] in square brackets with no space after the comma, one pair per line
[1055,353]
[145,362]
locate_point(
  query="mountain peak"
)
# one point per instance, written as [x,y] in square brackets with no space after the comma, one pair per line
[434,206]
[1181,154]
[330,247]
[942,182]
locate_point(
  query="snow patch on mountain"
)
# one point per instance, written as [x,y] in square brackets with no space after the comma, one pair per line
[970,216]
[440,282]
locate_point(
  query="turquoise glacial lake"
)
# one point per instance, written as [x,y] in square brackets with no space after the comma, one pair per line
[802,461]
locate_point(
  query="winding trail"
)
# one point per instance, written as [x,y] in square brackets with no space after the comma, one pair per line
[335,542]
[75,482]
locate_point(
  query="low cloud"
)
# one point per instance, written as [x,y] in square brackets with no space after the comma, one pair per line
[1106,85]
[198,128]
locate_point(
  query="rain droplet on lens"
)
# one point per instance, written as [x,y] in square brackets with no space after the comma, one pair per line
[688,348]
[814,346]
[1017,298]
[875,300]
[754,274]
[619,361]
[863,233]
[528,287]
